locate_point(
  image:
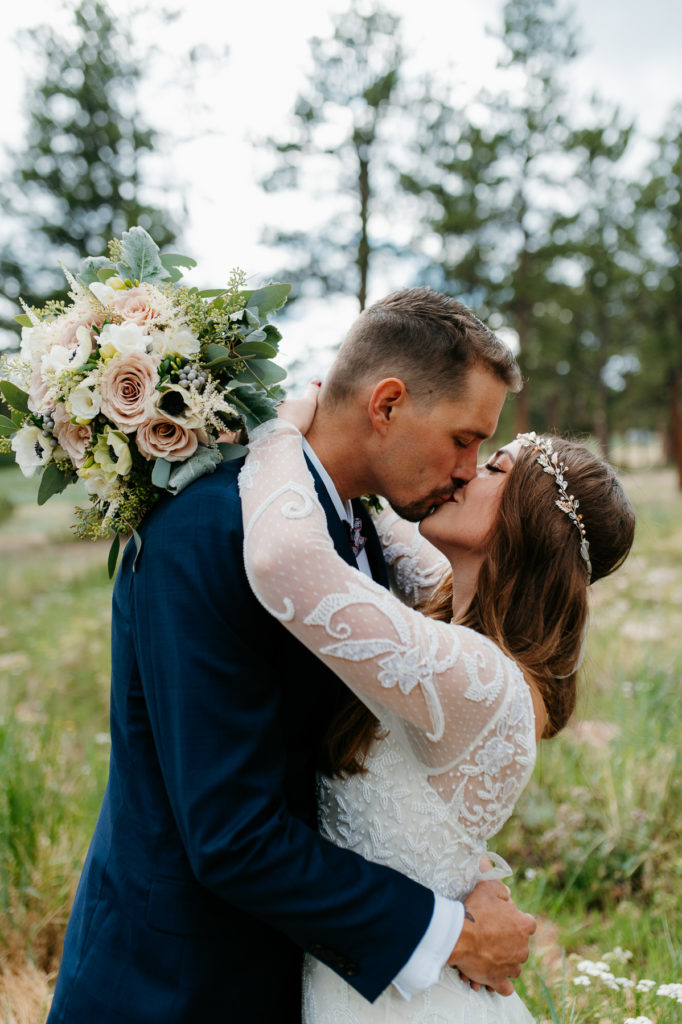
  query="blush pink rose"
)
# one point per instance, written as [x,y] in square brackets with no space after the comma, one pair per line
[72,437]
[127,387]
[163,439]
[37,392]
[137,304]
[67,336]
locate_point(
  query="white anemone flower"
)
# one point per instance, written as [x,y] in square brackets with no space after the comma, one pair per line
[112,453]
[32,449]
[60,359]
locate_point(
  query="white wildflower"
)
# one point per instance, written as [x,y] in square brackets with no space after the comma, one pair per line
[582,979]
[645,985]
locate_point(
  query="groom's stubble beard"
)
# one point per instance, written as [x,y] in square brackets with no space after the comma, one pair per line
[415,511]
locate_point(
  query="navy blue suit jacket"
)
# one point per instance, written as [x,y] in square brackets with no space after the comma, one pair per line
[206,879]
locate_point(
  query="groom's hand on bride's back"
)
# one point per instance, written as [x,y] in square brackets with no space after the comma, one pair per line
[493,945]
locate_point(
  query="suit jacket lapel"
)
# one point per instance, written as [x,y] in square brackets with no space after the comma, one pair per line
[339,536]
[337,530]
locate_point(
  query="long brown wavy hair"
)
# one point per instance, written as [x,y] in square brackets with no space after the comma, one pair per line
[531,591]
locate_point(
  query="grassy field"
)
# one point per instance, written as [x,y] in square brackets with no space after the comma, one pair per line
[595,841]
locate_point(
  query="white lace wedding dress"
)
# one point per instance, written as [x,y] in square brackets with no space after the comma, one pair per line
[457,714]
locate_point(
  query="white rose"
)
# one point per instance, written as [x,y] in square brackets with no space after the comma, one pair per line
[102,484]
[179,341]
[61,359]
[102,292]
[84,403]
[32,449]
[123,338]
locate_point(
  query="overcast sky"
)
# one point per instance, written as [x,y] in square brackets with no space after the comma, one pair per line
[631,56]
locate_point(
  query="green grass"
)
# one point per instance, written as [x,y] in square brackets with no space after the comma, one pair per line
[595,840]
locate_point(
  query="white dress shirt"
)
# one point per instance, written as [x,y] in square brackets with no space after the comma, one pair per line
[430,956]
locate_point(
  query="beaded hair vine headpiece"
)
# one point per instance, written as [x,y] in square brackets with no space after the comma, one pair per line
[550,462]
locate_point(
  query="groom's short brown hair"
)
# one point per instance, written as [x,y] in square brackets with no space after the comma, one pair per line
[429,340]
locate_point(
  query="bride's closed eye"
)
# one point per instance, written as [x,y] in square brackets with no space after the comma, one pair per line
[493,468]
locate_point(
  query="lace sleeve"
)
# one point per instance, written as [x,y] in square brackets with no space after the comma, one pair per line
[415,567]
[462,701]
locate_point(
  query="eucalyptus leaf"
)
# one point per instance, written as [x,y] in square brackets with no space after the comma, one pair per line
[273,334]
[269,298]
[113,555]
[256,348]
[174,259]
[254,406]
[215,351]
[24,320]
[252,317]
[262,371]
[14,396]
[138,545]
[204,460]
[105,273]
[257,335]
[53,481]
[161,473]
[224,363]
[232,451]
[211,293]
[90,267]
[140,258]
[7,427]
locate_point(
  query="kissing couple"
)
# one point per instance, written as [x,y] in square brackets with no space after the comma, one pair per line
[307,765]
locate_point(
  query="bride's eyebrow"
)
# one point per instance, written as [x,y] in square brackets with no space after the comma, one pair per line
[500,452]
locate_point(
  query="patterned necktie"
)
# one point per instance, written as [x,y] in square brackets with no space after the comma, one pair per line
[355,535]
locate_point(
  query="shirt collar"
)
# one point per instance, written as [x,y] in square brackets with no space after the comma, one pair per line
[343,509]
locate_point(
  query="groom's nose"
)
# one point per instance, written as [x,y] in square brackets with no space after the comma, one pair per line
[466,465]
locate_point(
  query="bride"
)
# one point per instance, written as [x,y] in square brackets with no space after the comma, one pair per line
[454,700]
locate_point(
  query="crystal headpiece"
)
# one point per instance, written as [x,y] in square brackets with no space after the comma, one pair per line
[550,462]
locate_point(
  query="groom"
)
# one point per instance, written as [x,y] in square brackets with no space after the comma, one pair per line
[206,879]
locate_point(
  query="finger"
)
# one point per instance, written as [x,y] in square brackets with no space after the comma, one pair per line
[504,988]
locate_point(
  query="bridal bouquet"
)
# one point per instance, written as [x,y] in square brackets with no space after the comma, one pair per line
[138,385]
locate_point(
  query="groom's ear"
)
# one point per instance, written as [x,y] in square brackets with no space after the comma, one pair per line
[388,397]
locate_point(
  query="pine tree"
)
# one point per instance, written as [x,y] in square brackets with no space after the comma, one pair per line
[598,253]
[78,180]
[496,184]
[339,146]
[660,208]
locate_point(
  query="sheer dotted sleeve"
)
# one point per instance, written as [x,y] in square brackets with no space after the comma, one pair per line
[465,707]
[415,567]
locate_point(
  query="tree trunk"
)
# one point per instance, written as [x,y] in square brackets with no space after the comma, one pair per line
[601,415]
[522,399]
[675,421]
[363,245]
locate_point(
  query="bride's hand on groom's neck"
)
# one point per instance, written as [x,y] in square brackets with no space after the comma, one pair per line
[301,411]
